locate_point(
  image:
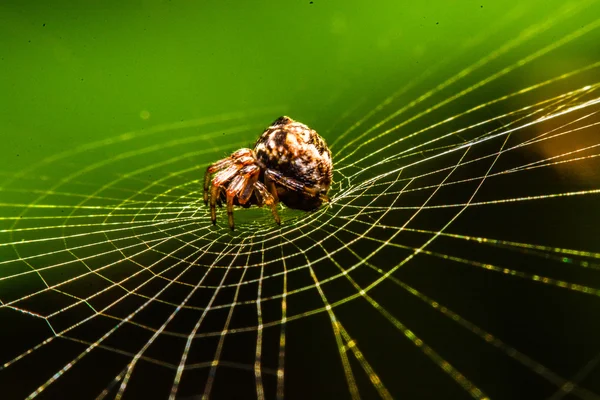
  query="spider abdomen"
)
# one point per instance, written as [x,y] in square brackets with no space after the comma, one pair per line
[292,150]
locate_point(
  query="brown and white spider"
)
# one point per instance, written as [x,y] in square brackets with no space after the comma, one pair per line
[290,163]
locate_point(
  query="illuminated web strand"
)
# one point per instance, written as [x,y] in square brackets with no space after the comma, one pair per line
[477,141]
[101,312]
[131,366]
[213,369]
[526,248]
[469,44]
[74,183]
[62,194]
[448,151]
[516,169]
[569,96]
[527,361]
[182,209]
[192,335]
[283,259]
[125,375]
[105,231]
[281,355]
[112,208]
[516,146]
[145,223]
[495,268]
[167,205]
[487,266]
[195,123]
[473,390]
[350,343]
[459,378]
[524,168]
[260,392]
[62,217]
[121,156]
[94,345]
[546,280]
[105,162]
[80,207]
[164,364]
[53,287]
[487,137]
[414,215]
[447,367]
[67,249]
[566,39]
[538,164]
[525,35]
[114,284]
[582,374]
[336,326]
[498,201]
[79,259]
[484,335]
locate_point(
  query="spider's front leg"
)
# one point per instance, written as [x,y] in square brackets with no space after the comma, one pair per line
[223,164]
[292,184]
[241,187]
[265,197]
[218,166]
[219,180]
[270,184]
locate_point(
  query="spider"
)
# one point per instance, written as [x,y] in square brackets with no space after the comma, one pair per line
[290,163]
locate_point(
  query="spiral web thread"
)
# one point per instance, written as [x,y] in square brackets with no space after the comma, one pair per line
[119,286]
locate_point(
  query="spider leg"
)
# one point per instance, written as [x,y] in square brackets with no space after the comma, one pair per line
[251,173]
[219,180]
[213,210]
[293,184]
[219,201]
[241,156]
[263,196]
[219,165]
[237,185]
[270,183]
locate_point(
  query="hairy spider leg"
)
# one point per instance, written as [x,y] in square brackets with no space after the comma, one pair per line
[251,172]
[264,197]
[270,183]
[236,184]
[219,165]
[293,184]
[222,164]
[219,202]
[219,180]
[238,189]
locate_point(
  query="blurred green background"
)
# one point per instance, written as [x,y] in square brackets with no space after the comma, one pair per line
[74,72]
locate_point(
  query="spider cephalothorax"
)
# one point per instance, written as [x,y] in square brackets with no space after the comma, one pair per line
[290,163]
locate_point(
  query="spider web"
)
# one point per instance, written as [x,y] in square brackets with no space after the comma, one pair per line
[459,253]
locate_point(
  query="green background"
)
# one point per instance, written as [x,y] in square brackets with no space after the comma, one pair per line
[74,72]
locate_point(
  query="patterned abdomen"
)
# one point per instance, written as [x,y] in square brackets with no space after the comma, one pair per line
[297,152]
